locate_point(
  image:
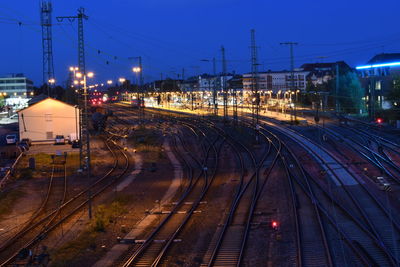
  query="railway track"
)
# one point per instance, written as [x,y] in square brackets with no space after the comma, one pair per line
[371,149]
[200,176]
[54,197]
[228,246]
[39,228]
[370,215]
[338,221]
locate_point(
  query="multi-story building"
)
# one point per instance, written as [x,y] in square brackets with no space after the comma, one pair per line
[321,73]
[208,82]
[16,86]
[276,81]
[377,78]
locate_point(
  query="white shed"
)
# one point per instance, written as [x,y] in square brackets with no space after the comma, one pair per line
[44,120]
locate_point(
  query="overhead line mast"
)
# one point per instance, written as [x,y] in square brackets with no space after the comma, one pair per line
[224,87]
[292,84]
[47,43]
[84,152]
[254,80]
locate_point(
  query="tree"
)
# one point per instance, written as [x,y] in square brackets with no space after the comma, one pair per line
[2,101]
[350,95]
[394,95]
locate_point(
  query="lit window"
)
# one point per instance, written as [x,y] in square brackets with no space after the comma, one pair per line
[378,85]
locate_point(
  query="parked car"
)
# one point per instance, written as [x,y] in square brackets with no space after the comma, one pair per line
[26,141]
[76,143]
[60,140]
[11,139]
[72,137]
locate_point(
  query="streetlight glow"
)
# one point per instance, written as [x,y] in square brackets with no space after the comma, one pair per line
[90,75]
[136,69]
[121,80]
[78,75]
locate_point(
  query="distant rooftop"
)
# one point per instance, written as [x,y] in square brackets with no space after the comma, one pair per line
[385,58]
[13,75]
[314,66]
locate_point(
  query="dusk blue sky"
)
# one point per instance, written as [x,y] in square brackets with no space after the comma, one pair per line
[175,34]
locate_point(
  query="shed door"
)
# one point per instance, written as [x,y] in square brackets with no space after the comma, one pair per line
[48,120]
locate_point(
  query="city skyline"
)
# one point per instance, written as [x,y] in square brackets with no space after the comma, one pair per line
[154,30]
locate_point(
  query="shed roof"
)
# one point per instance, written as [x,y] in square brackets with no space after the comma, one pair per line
[48,98]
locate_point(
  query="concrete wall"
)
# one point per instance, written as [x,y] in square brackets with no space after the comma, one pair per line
[46,119]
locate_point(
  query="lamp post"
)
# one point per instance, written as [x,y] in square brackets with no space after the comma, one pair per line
[51,82]
[83,81]
[122,81]
[214,88]
[137,70]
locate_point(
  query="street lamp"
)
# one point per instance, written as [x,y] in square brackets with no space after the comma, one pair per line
[137,70]
[109,82]
[84,77]
[122,80]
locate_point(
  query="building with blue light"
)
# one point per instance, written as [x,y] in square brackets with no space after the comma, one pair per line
[378,77]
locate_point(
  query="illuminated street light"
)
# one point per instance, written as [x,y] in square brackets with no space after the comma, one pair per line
[121,80]
[109,82]
[76,82]
[52,81]
[136,69]
[90,74]
[78,75]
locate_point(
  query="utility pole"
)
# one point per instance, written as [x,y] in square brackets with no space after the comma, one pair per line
[84,135]
[224,87]
[254,80]
[47,43]
[337,88]
[292,85]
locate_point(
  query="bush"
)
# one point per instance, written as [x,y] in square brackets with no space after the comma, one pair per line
[25,173]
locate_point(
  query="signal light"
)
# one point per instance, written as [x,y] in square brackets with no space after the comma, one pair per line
[379,120]
[274,225]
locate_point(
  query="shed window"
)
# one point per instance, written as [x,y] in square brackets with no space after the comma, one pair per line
[48,117]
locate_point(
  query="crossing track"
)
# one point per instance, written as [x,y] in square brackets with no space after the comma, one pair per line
[350,194]
[380,152]
[229,244]
[156,244]
[40,227]
[338,221]
[311,237]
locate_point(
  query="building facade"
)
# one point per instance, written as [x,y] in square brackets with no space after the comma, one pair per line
[276,81]
[16,86]
[378,77]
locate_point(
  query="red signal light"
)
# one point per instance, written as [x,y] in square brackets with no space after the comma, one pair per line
[274,224]
[379,120]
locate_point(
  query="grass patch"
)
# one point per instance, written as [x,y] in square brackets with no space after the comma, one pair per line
[147,141]
[7,200]
[74,252]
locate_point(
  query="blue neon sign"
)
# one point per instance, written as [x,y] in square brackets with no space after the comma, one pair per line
[378,65]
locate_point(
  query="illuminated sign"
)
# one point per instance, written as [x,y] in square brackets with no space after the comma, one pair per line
[378,65]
